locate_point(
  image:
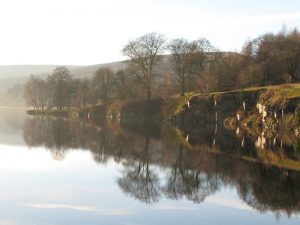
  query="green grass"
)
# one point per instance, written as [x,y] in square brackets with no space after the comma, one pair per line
[280,95]
[286,90]
[64,112]
[176,104]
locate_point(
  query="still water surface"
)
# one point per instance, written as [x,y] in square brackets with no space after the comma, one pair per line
[55,171]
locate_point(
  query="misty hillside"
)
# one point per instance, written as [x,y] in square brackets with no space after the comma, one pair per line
[18,74]
[18,71]
[12,78]
[88,71]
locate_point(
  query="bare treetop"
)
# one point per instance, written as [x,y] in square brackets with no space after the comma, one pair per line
[144,53]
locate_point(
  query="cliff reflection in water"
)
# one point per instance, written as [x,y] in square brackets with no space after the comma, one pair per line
[195,166]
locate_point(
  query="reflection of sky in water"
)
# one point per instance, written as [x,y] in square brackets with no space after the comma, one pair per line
[36,189]
[11,123]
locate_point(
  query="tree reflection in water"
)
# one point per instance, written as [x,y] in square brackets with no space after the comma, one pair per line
[184,181]
[138,179]
[52,133]
[192,170]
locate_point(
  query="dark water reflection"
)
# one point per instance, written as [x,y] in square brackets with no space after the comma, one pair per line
[196,165]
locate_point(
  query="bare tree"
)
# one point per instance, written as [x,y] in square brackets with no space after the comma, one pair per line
[42,93]
[200,53]
[30,92]
[123,85]
[60,85]
[144,53]
[83,93]
[104,82]
[206,81]
[179,55]
[35,92]
[189,58]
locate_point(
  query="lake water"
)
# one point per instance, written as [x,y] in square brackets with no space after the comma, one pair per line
[55,171]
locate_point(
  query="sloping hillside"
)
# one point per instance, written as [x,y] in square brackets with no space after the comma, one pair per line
[19,71]
[12,78]
[88,71]
[18,74]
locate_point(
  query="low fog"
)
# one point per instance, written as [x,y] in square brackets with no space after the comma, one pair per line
[13,78]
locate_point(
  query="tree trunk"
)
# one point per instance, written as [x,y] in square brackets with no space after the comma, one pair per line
[149,94]
[182,87]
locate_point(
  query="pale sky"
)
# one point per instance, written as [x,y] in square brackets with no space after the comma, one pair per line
[84,32]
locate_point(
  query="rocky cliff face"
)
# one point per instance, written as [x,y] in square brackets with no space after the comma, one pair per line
[240,105]
[128,113]
[210,110]
[263,111]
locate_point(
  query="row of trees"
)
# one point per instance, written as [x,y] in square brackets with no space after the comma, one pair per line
[187,58]
[54,92]
[60,91]
[268,59]
[177,66]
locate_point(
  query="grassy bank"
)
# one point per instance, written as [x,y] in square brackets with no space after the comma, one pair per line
[64,112]
[270,96]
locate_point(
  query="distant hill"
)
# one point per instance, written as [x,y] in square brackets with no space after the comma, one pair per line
[13,78]
[88,71]
[18,71]
[18,74]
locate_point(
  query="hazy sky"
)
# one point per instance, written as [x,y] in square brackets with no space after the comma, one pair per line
[94,31]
